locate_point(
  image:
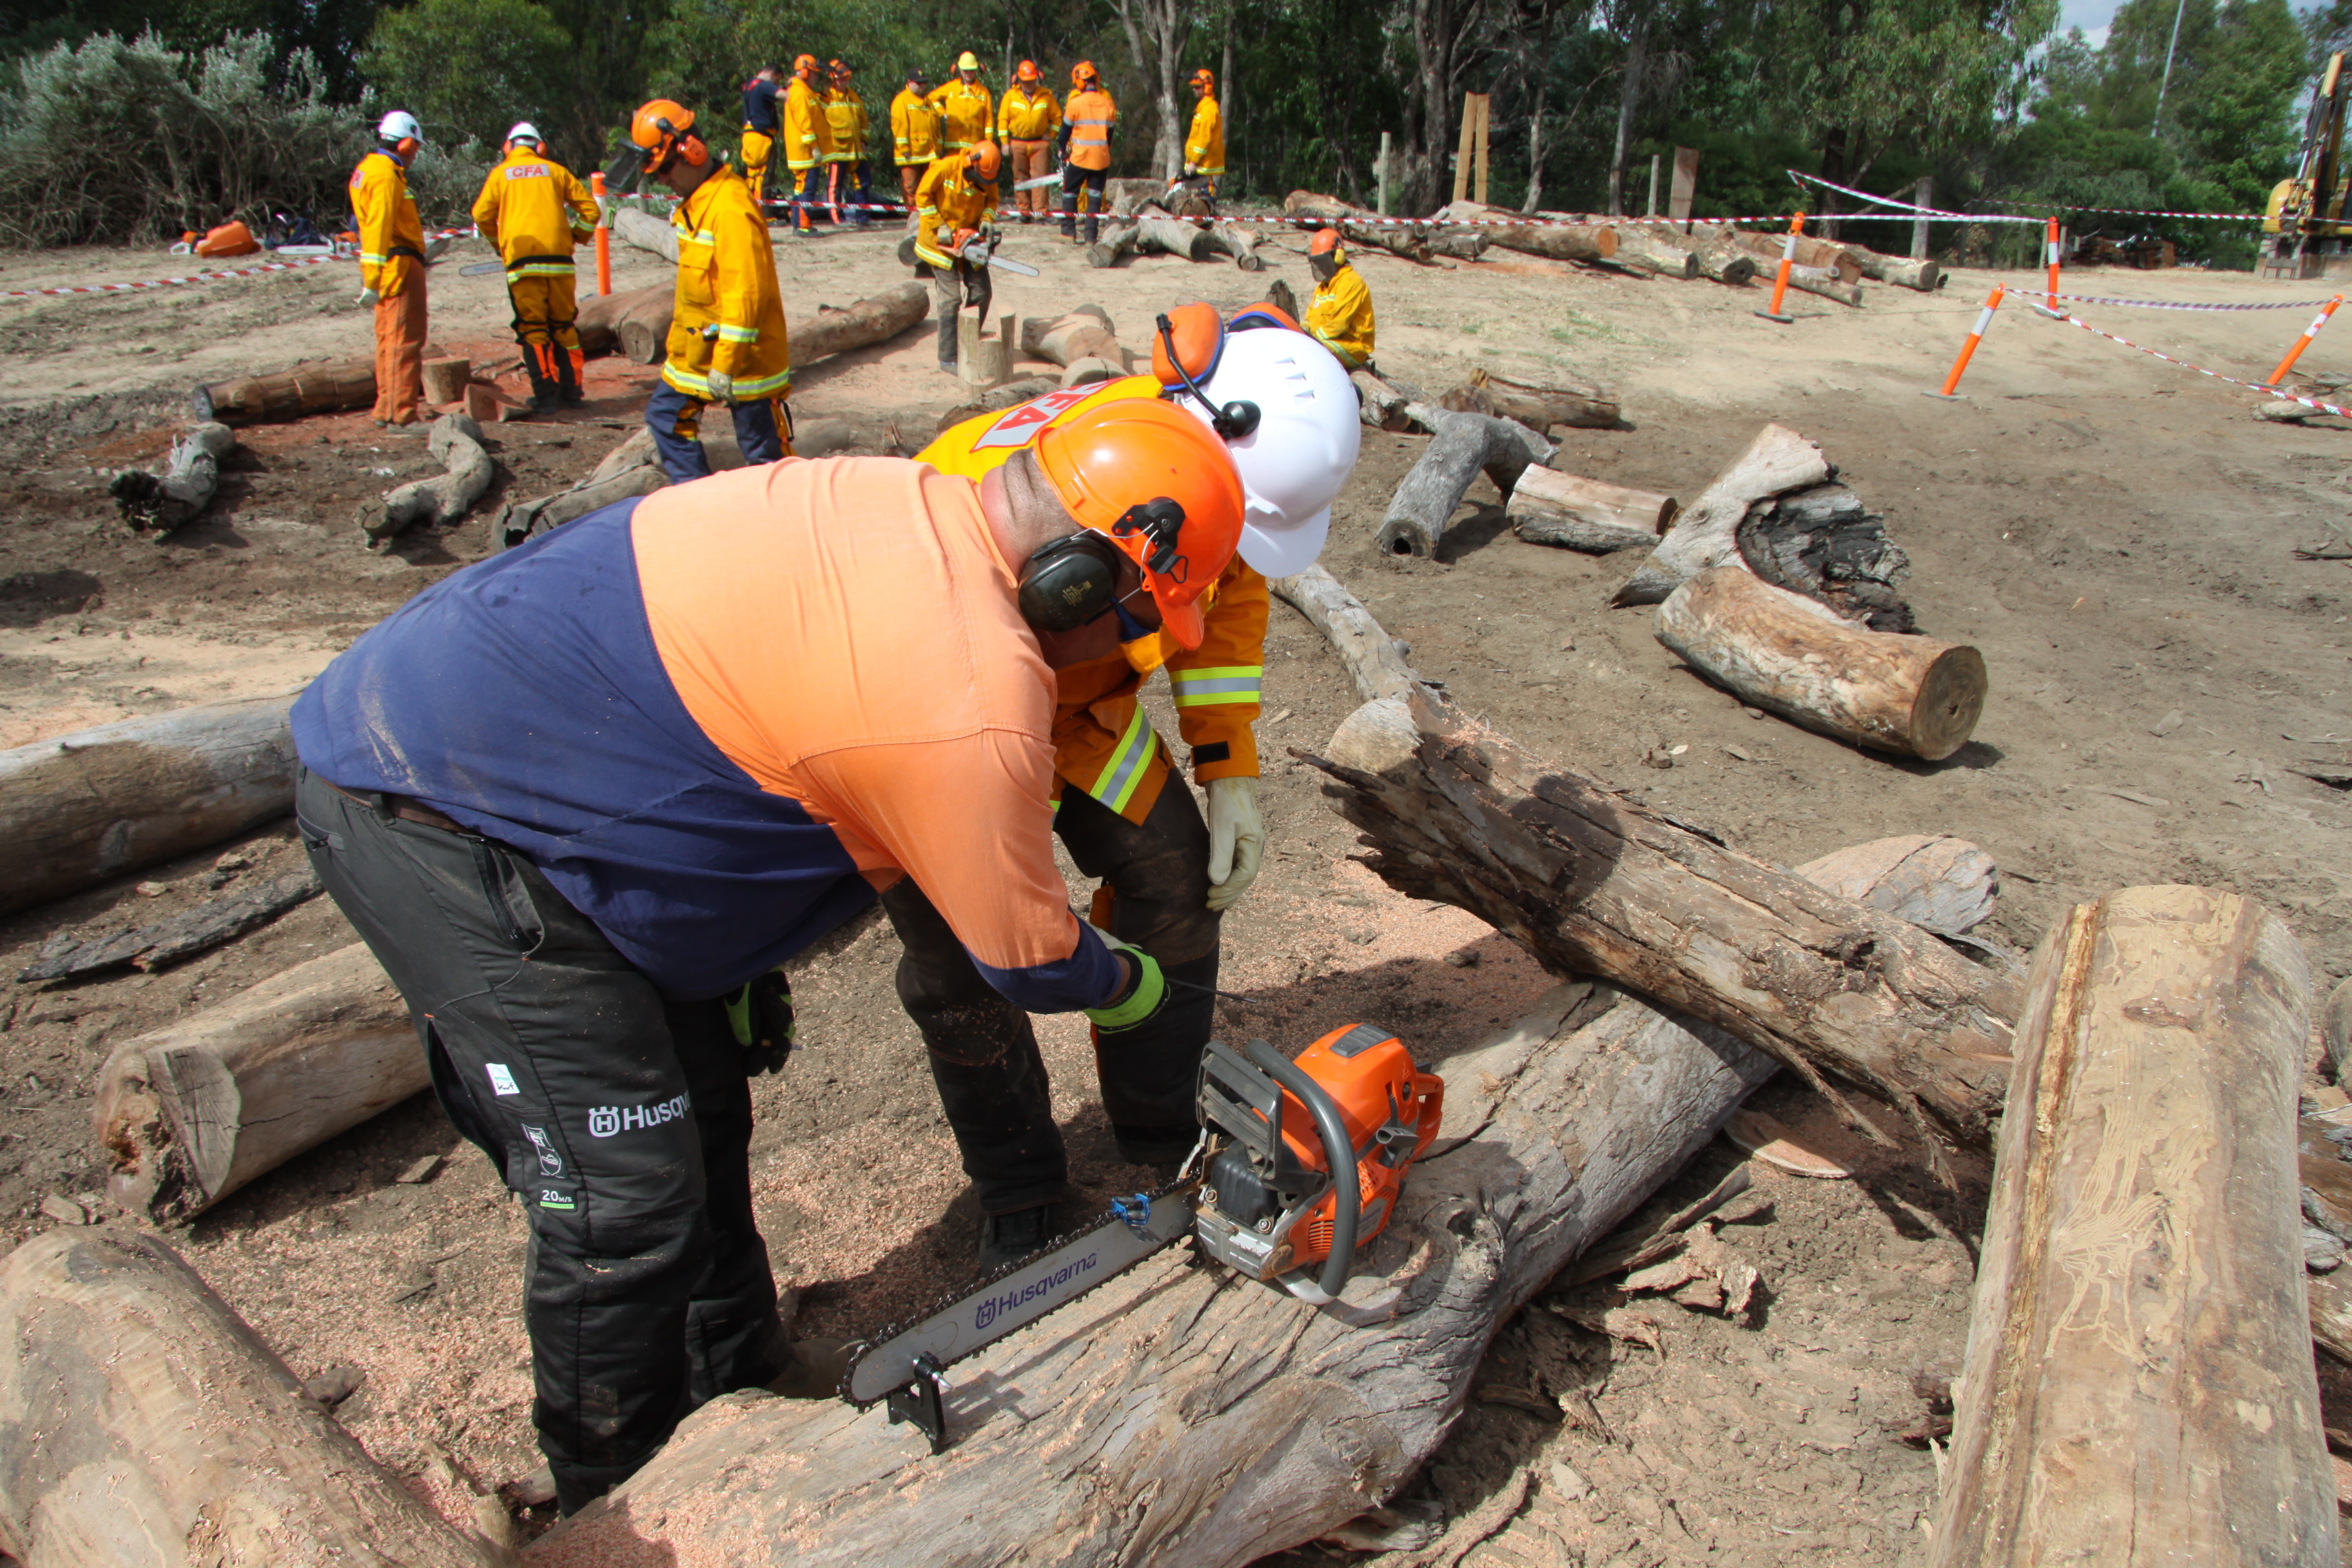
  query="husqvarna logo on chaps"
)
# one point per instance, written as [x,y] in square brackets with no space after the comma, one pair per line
[605,1120]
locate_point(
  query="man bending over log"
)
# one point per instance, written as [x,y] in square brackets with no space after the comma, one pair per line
[581,799]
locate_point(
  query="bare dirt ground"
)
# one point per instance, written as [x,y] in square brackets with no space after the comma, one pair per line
[2115,534]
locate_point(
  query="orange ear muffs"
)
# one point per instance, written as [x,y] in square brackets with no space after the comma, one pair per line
[1198,337]
[406,147]
[694,149]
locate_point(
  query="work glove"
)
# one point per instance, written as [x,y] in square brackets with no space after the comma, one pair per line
[1188,171]
[760,1014]
[1143,996]
[722,388]
[370,299]
[1236,840]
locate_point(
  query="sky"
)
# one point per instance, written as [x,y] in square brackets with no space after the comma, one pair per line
[2092,16]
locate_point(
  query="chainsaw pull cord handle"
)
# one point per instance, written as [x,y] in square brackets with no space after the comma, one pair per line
[1339,1154]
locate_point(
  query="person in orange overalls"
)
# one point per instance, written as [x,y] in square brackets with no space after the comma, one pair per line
[392,267]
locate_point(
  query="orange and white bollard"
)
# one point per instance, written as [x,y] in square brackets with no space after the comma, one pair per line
[603,233]
[2304,341]
[1788,260]
[1976,335]
[2050,306]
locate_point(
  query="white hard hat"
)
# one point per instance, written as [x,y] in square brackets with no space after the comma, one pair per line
[524,130]
[1294,464]
[400,126]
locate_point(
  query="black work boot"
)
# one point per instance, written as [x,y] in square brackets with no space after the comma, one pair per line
[567,385]
[1010,1238]
[544,399]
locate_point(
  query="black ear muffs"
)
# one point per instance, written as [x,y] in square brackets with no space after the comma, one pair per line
[1069,582]
[1235,419]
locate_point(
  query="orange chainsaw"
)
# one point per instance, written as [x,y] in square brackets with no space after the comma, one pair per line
[1258,1195]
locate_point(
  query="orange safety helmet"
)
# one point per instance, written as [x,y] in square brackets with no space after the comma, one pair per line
[1118,466]
[837,69]
[664,127]
[1204,76]
[1327,243]
[985,159]
[1082,73]
[804,63]
[1027,71]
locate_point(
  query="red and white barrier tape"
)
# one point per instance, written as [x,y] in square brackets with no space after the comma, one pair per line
[1902,209]
[2179,304]
[2217,375]
[2126,212]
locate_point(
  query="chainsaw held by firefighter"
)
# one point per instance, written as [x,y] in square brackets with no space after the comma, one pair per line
[1299,1164]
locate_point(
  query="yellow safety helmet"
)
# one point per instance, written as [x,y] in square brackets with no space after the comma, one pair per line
[967,61]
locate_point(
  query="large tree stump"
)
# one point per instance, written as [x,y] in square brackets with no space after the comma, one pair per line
[447,377]
[187,1115]
[325,388]
[1707,532]
[87,808]
[180,493]
[1462,446]
[1912,695]
[143,1422]
[1594,884]
[2138,1387]
[1580,405]
[1547,507]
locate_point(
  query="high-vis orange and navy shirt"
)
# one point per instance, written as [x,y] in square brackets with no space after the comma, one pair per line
[719,718]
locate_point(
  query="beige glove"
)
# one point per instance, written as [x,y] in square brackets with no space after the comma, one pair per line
[722,388]
[369,299]
[1236,840]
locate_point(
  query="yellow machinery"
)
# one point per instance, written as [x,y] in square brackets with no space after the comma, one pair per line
[2309,208]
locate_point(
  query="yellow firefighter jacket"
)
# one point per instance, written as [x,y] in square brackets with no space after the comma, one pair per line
[1341,317]
[1023,115]
[391,237]
[1205,149]
[845,112]
[1103,744]
[808,130]
[914,128]
[533,209]
[945,202]
[965,113]
[728,316]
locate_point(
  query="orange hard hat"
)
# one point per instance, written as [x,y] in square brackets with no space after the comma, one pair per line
[1082,73]
[805,63]
[985,159]
[1161,484]
[836,67]
[1027,71]
[1204,76]
[1325,242]
[657,128]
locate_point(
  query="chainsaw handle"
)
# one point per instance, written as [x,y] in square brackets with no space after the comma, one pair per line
[1338,1158]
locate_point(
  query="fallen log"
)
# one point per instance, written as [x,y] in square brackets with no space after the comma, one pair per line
[326,389]
[1901,271]
[1823,543]
[1359,227]
[875,319]
[1118,240]
[1707,533]
[180,493]
[1547,507]
[1084,333]
[87,808]
[1592,883]
[1462,244]
[1716,258]
[602,315]
[456,442]
[1912,696]
[1240,242]
[1462,446]
[1381,406]
[1377,661]
[2138,1385]
[647,233]
[633,467]
[1826,283]
[1651,254]
[1938,883]
[1156,231]
[165,941]
[1563,241]
[1578,404]
[190,1114]
[1813,252]
[145,1422]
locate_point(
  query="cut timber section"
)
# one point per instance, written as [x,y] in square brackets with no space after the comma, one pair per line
[1909,695]
[143,1422]
[1464,446]
[327,388]
[89,806]
[1547,507]
[187,1115]
[2138,1388]
[1560,241]
[1707,532]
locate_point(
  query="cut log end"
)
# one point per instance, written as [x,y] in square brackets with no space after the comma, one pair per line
[1951,698]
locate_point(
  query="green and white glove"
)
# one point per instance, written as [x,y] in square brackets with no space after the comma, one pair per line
[1236,840]
[722,388]
[760,1014]
[1144,995]
[369,299]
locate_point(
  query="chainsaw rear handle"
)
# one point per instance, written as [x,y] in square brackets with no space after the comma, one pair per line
[1338,1158]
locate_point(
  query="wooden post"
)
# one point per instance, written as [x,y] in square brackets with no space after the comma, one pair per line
[1462,151]
[1923,197]
[1484,139]
[1383,174]
[1678,206]
[1651,211]
[2138,1385]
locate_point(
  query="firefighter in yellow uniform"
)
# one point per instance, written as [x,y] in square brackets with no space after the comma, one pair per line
[1340,317]
[726,340]
[914,136]
[844,111]
[535,211]
[760,126]
[1026,119]
[955,208]
[1205,148]
[967,109]
[392,266]
[808,139]
[1088,121]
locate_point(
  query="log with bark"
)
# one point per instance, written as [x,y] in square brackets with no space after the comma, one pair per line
[457,443]
[1813,252]
[1823,543]
[1718,257]
[1826,283]
[1240,242]
[1707,533]
[157,944]
[631,468]
[1156,231]
[647,233]
[1592,883]
[326,389]
[1308,209]
[1084,333]
[1638,248]
[1462,447]
[1547,507]
[1377,661]
[1117,239]
[1901,271]
[1463,243]
[1579,405]
[627,323]
[1912,696]
[167,501]
[1938,883]
[190,1114]
[1561,240]
[2138,1385]
[143,1422]
[876,319]
[1381,406]
[87,808]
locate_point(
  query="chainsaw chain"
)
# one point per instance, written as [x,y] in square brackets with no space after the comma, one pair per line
[958,1297]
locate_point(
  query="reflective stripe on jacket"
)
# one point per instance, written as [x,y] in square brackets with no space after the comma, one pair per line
[808,133]
[1340,318]
[1026,116]
[1091,115]
[965,114]
[1103,744]
[534,209]
[1205,149]
[728,316]
[944,203]
[392,237]
[845,112]
[914,128]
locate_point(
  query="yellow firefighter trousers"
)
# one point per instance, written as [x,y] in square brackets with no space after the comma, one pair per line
[544,311]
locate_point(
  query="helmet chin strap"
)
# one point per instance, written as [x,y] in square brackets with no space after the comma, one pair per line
[1235,419]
